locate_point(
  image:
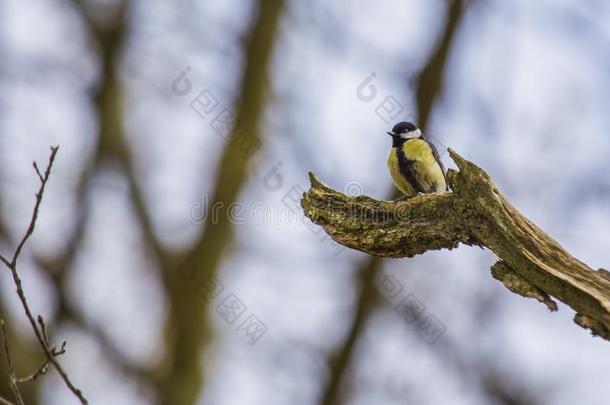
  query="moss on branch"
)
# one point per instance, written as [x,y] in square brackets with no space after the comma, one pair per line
[531,264]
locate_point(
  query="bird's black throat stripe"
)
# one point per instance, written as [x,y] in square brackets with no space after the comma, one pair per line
[406,168]
[397,141]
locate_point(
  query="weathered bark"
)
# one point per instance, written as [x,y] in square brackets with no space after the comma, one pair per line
[531,263]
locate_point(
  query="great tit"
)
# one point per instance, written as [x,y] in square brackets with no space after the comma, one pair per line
[414,163]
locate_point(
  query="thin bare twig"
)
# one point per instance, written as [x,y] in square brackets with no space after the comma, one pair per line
[39,331]
[43,183]
[37,171]
[42,370]
[5,401]
[11,370]
[33,377]
[43,329]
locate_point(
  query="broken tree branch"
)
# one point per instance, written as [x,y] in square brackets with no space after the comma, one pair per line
[531,263]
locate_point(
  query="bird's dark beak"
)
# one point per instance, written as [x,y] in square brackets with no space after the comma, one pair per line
[391,133]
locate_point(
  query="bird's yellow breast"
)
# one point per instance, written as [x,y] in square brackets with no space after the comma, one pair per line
[399,180]
[424,169]
[418,149]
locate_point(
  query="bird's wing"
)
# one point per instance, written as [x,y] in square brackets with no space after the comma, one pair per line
[438,159]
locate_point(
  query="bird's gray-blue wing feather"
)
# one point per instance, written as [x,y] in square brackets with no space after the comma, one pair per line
[438,160]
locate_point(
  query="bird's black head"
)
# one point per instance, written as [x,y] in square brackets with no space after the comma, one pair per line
[404,131]
[403,127]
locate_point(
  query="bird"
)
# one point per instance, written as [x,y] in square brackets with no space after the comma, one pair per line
[414,163]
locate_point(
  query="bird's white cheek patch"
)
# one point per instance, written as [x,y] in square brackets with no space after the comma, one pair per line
[411,134]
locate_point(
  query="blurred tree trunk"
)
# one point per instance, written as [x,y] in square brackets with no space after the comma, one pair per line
[189,327]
